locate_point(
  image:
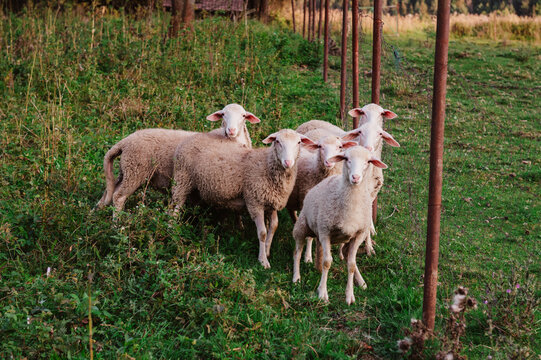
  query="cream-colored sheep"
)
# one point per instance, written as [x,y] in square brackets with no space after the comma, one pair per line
[369,135]
[147,155]
[228,176]
[313,168]
[338,210]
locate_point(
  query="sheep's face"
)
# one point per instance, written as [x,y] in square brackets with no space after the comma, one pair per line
[328,147]
[233,118]
[287,145]
[370,136]
[372,113]
[356,162]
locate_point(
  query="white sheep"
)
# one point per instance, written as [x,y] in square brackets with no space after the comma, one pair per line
[369,135]
[338,210]
[228,176]
[147,155]
[313,168]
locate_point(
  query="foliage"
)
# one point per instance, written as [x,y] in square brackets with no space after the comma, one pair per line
[72,85]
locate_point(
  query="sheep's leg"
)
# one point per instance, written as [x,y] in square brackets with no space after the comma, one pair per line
[352,267]
[327,260]
[123,190]
[103,201]
[358,277]
[258,216]
[182,187]
[308,252]
[273,225]
[369,247]
[341,251]
[299,234]
[318,264]
[292,215]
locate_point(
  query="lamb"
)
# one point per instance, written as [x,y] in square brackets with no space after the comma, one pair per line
[147,155]
[229,176]
[370,136]
[313,168]
[338,210]
[371,113]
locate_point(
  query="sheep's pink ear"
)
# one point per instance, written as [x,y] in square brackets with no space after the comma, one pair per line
[350,135]
[306,141]
[356,112]
[388,114]
[218,115]
[251,118]
[389,139]
[348,144]
[337,158]
[269,139]
[312,146]
[377,163]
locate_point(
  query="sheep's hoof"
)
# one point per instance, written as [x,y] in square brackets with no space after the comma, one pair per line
[362,284]
[350,299]
[308,259]
[296,278]
[265,263]
[370,250]
[324,296]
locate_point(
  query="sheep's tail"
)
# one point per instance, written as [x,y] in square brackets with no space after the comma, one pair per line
[110,179]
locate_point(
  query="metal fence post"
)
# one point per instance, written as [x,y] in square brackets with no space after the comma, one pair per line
[343,64]
[326,46]
[436,165]
[376,69]
[293,15]
[355,56]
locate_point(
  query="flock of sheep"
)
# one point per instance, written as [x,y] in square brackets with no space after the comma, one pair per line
[331,176]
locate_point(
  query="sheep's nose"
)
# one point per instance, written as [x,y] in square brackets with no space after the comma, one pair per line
[369,148]
[288,163]
[356,178]
[328,164]
[232,131]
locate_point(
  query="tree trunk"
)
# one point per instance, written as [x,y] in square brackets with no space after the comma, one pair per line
[264,11]
[303,18]
[293,15]
[176,11]
[188,14]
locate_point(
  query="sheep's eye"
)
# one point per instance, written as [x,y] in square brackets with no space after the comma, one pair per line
[299,142]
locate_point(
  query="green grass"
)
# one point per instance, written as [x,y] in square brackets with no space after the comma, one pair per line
[194,288]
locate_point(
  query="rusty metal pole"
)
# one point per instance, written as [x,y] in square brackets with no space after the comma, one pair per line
[376,50]
[313,5]
[436,164]
[376,69]
[308,19]
[319,21]
[326,46]
[355,56]
[303,18]
[293,15]
[343,63]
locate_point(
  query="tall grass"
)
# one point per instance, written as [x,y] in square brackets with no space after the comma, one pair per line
[72,84]
[493,27]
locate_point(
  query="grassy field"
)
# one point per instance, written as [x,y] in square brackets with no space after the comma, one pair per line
[71,86]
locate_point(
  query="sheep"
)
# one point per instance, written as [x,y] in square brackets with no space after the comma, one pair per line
[148,154]
[329,128]
[338,210]
[312,168]
[228,176]
[369,135]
